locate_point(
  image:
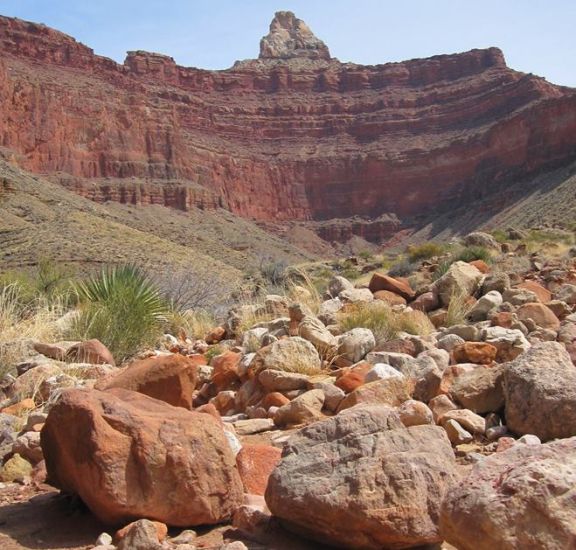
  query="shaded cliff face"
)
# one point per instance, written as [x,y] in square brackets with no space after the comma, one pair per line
[294,135]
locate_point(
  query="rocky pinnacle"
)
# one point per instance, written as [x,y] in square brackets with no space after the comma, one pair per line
[290,37]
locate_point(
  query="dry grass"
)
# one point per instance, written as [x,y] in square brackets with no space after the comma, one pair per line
[458,309]
[252,315]
[19,324]
[385,323]
[302,289]
[194,323]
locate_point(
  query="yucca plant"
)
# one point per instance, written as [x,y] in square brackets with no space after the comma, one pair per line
[122,308]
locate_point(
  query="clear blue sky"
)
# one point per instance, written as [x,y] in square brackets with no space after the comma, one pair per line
[536,36]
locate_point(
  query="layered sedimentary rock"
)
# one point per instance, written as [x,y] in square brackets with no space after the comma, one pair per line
[294,135]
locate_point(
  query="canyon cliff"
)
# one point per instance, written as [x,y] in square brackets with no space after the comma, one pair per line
[293,135]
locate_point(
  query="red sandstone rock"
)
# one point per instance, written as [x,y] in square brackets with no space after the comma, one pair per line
[352,378]
[274,399]
[384,282]
[225,369]
[316,139]
[255,464]
[502,319]
[474,352]
[481,266]
[169,378]
[134,452]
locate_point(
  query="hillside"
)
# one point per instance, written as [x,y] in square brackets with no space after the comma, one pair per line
[40,219]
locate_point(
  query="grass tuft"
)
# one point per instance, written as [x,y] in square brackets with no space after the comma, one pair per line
[385,323]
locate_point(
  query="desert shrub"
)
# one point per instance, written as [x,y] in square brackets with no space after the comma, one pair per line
[471,253]
[273,271]
[402,268]
[365,254]
[424,251]
[21,322]
[384,322]
[187,291]
[122,308]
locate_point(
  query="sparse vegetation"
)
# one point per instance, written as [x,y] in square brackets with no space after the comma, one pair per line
[47,282]
[402,268]
[385,323]
[471,253]
[457,310]
[21,322]
[424,251]
[191,323]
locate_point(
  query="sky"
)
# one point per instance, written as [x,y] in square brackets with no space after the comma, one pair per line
[536,36]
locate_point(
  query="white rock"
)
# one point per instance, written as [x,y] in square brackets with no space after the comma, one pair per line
[382,371]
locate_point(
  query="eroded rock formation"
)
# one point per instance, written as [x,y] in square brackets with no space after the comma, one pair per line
[294,135]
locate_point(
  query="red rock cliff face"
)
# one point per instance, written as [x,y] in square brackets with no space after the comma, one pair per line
[293,135]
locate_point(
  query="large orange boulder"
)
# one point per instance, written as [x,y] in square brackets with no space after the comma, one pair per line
[385,282]
[169,378]
[255,464]
[129,456]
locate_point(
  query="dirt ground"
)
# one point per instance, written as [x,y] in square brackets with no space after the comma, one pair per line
[34,518]
[40,518]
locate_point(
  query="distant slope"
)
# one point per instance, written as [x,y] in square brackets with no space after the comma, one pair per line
[549,198]
[40,219]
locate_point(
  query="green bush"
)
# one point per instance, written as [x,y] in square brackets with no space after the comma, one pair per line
[424,251]
[122,308]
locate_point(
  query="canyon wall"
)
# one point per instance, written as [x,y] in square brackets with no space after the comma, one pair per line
[293,135]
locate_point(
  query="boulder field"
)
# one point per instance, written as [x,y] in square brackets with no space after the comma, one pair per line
[301,429]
